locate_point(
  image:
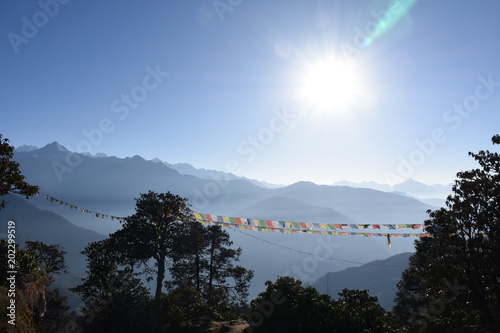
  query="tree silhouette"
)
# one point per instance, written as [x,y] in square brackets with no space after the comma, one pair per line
[43,309]
[453,281]
[50,258]
[11,179]
[287,306]
[115,299]
[205,281]
[149,233]
[203,259]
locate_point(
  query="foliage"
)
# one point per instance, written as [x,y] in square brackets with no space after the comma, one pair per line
[205,279]
[35,267]
[11,179]
[359,312]
[203,259]
[50,258]
[287,306]
[24,316]
[149,233]
[115,300]
[453,281]
[56,316]
[182,305]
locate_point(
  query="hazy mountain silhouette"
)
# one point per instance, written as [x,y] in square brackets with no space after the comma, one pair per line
[109,185]
[362,205]
[188,169]
[278,208]
[380,277]
[410,187]
[34,224]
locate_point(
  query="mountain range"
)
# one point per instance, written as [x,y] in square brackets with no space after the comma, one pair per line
[108,185]
[379,277]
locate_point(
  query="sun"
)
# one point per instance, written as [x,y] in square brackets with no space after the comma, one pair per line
[330,84]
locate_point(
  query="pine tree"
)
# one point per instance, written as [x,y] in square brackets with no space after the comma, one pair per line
[115,299]
[203,259]
[453,281]
[11,179]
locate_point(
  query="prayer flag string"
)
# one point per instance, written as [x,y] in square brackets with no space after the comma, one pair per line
[305,227]
[83,210]
[277,226]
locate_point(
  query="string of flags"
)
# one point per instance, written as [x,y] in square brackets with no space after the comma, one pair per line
[278,226]
[303,227]
[83,210]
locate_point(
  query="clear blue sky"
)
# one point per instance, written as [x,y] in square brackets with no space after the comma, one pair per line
[236,69]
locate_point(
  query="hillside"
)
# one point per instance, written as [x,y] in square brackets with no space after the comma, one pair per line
[35,224]
[109,185]
[379,277]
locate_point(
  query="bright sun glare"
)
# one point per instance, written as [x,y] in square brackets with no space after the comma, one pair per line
[330,85]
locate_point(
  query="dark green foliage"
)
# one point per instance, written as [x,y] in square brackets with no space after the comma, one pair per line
[359,312]
[203,260]
[150,233]
[205,281]
[287,306]
[35,267]
[50,258]
[11,179]
[24,316]
[115,300]
[56,316]
[453,282]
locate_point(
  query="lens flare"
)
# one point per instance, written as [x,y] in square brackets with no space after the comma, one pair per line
[388,18]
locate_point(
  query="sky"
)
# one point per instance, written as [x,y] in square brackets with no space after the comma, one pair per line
[280,91]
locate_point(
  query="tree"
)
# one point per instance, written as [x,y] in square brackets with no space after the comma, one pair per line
[357,311]
[149,233]
[190,262]
[23,315]
[453,281]
[287,306]
[115,299]
[35,267]
[205,278]
[204,260]
[11,179]
[50,258]
[56,316]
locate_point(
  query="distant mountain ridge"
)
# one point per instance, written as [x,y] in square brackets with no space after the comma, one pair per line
[409,187]
[26,148]
[379,277]
[188,169]
[112,183]
[109,185]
